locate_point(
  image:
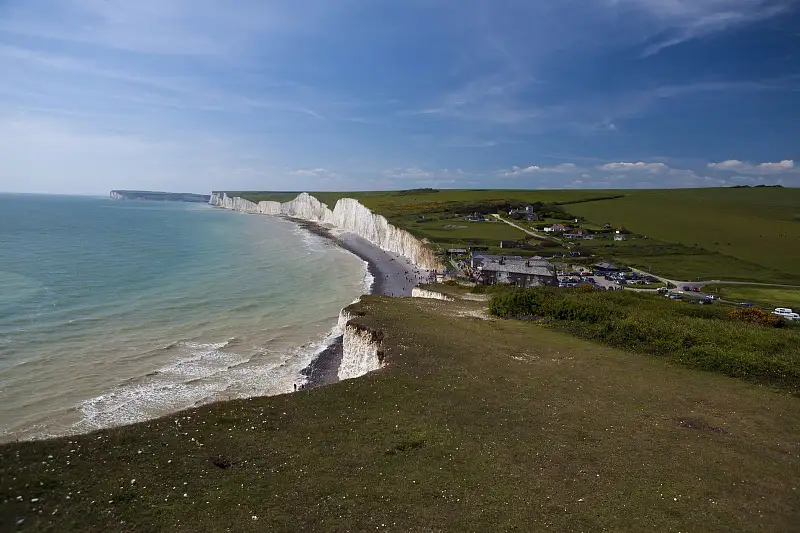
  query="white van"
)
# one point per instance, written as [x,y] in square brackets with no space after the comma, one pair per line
[783,311]
[787,316]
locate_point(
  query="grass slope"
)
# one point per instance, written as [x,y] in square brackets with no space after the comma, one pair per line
[475,425]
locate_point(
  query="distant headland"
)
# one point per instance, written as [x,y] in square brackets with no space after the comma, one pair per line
[160,196]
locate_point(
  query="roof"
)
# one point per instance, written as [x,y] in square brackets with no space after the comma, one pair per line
[517,265]
[536,269]
[606,266]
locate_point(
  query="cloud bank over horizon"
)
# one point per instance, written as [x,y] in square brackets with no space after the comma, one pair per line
[361,95]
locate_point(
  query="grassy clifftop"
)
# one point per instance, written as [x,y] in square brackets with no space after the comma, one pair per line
[475,425]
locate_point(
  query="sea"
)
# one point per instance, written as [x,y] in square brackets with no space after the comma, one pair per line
[118,311]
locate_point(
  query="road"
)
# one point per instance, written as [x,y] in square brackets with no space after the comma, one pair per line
[529,232]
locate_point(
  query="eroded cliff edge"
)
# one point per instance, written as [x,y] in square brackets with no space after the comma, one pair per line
[347,215]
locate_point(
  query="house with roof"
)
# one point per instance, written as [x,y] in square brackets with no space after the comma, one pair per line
[556,228]
[605,267]
[579,233]
[517,271]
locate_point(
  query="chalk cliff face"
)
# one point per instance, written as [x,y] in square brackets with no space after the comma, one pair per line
[416,292]
[245,206]
[348,215]
[361,351]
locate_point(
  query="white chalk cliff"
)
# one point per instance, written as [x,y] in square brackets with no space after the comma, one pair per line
[416,292]
[361,352]
[348,215]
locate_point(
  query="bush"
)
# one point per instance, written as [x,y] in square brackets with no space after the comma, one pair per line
[743,343]
[754,315]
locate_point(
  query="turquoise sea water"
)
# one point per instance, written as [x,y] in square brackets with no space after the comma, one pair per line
[118,311]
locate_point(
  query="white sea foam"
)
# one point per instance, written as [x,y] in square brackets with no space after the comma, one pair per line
[369,279]
[202,373]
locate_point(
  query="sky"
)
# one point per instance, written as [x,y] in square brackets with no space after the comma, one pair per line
[201,95]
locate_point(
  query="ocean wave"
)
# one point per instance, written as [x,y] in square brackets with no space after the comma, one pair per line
[369,279]
[201,373]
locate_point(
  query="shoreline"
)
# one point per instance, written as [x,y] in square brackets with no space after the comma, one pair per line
[392,275]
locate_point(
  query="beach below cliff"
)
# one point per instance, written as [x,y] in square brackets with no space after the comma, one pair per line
[393,275]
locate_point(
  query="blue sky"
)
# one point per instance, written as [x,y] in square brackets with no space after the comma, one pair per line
[195,95]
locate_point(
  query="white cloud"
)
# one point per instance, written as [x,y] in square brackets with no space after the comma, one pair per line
[734,165]
[412,172]
[641,165]
[563,168]
[314,172]
[676,21]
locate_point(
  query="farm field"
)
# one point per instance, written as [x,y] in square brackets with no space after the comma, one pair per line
[685,263]
[741,230]
[765,296]
[474,425]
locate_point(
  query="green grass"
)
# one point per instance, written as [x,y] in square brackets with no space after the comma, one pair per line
[474,425]
[696,336]
[766,296]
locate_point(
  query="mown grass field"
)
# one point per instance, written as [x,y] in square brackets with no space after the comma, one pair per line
[474,425]
[766,296]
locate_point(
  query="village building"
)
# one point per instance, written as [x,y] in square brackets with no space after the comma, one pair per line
[579,233]
[605,267]
[456,251]
[517,271]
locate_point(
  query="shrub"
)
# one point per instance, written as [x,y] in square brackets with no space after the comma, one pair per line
[754,315]
[736,344]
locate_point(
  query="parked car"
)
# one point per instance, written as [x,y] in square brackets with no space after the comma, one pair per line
[695,289]
[745,304]
[706,301]
[686,288]
[783,310]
